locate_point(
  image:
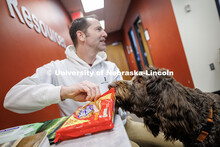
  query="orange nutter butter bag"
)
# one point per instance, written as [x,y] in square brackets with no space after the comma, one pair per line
[94,117]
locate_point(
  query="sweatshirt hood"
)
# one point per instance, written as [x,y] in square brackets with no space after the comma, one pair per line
[71,55]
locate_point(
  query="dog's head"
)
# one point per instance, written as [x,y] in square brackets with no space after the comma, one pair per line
[135,95]
[129,94]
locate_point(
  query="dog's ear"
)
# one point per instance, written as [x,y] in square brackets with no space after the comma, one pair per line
[175,113]
[155,85]
[152,125]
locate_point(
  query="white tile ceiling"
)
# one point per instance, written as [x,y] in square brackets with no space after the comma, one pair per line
[113,13]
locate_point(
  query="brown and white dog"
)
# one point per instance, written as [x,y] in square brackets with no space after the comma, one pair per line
[181,113]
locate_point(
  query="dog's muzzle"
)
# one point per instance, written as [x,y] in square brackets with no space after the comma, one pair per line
[112,85]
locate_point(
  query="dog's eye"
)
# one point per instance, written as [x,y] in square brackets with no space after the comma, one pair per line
[139,81]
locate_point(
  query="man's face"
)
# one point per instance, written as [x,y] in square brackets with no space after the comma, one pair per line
[95,35]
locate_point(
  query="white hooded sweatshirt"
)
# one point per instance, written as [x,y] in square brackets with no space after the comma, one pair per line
[43,88]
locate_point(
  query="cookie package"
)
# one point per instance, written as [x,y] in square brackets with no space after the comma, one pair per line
[94,117]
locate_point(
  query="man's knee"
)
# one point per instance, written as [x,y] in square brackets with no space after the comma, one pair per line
[139,134]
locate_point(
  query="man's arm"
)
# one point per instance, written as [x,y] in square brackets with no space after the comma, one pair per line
[84,91]
[38,91]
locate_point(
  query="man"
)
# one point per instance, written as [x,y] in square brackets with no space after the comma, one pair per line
[71,82]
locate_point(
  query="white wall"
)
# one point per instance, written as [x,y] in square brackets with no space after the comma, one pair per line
[200,33]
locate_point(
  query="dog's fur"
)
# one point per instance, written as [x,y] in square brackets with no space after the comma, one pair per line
[167,106]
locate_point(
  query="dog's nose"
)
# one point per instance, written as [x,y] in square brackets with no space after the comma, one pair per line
[112,85]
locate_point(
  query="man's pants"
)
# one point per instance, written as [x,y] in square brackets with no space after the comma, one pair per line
[140,136]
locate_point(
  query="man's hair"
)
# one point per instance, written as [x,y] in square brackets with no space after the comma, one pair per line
[81,24]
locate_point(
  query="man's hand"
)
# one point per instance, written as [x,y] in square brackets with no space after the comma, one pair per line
[84,91]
